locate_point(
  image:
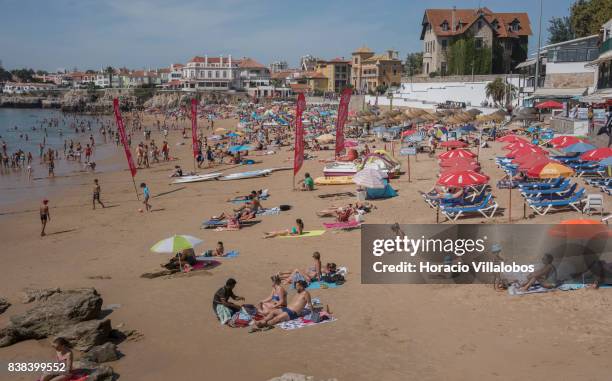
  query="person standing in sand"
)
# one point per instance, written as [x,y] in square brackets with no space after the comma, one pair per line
[147,195]
[96,194]
[44,216]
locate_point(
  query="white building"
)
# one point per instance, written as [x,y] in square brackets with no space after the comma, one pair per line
[251,74]
[277,66]
[209,73]
[22,88]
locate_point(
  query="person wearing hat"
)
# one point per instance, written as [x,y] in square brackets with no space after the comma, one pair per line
[44,216]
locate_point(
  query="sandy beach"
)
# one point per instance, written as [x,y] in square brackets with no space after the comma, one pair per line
[382,332]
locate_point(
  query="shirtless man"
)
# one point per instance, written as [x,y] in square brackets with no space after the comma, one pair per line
[96,194]
[44,216]
[545,276]
[292,311]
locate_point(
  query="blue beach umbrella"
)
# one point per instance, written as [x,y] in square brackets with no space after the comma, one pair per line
[232,135]
[606,162]
[468,128]
[578,148]
[414,138]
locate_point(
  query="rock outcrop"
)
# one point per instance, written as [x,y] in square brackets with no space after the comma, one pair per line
[87,334]
[4,305]
[50,316]
[102,353]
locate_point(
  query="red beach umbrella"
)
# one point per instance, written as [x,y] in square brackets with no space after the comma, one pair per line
[454,144]
[564,141]
[530,157]
[511,139]
[597,154]
[535,161]
[408,133]
[517,145]
[456,153]
[462,178]
[525,151]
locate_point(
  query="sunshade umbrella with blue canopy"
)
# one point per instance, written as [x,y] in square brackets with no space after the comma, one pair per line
[240,148]
[579,147]
[606,162]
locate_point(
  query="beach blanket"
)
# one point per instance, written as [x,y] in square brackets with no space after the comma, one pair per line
[242,201]
[342,225]
[341,194]
[302,322]
[228,255]
[317,285]
[213,224]
[514,289]
[224,314]
[269,212]
[311,233]
[203,265]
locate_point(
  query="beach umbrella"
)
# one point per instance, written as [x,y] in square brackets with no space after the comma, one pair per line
[517,145]
[597,154]
[233,135]
[549,104]
[220,130]
[564,141]
[454,160]
[456,153]
[550,170]
[580,229]
[414,138]
[350,143]
[408,132]
[579,147]
[511,139]
[463,178]
[535,161]
[175,244]
[454,144]
[240,148]
[525,151]
[370,178]
[459,165]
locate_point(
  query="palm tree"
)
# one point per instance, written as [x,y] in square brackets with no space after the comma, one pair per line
[110,71]
[496,90]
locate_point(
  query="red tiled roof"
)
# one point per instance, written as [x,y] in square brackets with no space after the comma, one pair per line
[164,70]
[175,82]
[464,18]
[283,74]
[313,75]
[250,63]
[200,59]
[299,87]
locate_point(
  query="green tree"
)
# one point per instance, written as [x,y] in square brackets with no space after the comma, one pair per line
[414,63]
[5,75]
[587,16]
[560,29]
[498,89]
[110,71]
[465,57]
[23,75]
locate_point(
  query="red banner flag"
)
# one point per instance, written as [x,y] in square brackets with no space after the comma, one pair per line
[194,127]
[298,158]
[341,119]
[123,137]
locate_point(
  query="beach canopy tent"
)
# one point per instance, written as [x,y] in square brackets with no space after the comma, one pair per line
[564,141]
[549,105]
[463,178]
[579,147]
[550,170]
[240,148]
[597,154]
[370,178]
[456,153]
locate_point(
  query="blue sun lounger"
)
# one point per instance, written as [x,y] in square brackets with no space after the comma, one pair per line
[454,212]
[537,192]
[556,183]
[543,207]
[554,196]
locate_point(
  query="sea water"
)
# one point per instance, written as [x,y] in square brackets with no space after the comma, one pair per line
[16,124]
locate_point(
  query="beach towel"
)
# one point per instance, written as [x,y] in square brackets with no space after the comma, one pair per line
[515,290]
[213,224]
[302,322]
[223,313]
[317,285]
[228,255]
[242,201]
[342,225]
[203,265]
[311,233]
[269,212]
[341,194]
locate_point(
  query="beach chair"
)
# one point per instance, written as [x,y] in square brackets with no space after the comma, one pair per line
[597,182]
[607,189]
[556,183]
[454,212]
[538,192]
[542,207]
[569,192]
[596,170]
[593,202]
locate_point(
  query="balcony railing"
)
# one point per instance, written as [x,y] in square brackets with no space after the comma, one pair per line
[605,46]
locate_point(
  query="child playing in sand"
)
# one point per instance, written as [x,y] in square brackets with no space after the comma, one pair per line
[44,216]
[296,230]
[146,195]
[64,355]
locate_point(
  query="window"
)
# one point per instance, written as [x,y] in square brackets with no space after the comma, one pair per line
[515,26]
[224,74]
[209,74]
[479,24]
[216,73]
[445,26]
[444,44]
[478,42]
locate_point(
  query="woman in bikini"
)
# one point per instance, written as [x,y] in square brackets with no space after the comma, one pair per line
[296,230]
[64,356]
[310,274]
[277,298]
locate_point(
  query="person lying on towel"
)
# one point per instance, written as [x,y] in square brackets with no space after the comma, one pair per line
[296,230]
[292,311]
[309,274]
[186,258]
[545,276]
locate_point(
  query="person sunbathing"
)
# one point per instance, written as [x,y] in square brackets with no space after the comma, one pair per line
[293,311]
[545,276]
[252,206]
[309,274]
[296,230]
[344,214]
[178,172]
[451,193]
[277,298]
[63,355]
[183,260]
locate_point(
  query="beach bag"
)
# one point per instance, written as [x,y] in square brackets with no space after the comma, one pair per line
[284,208]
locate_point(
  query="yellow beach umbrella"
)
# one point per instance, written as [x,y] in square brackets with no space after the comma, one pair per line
[550,171]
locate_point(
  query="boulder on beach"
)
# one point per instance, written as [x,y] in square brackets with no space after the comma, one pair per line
[95,371]
[52,315]
[102,353]
[85,335]
[35,294]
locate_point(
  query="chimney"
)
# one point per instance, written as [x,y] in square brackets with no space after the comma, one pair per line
[206,59]
[229,57]
[220,59]
[453,27]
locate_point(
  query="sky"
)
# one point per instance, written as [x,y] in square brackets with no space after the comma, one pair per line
[91,34]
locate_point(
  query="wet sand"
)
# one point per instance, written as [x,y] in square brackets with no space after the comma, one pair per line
[390,332]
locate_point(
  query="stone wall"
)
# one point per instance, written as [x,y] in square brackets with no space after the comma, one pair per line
[569,80]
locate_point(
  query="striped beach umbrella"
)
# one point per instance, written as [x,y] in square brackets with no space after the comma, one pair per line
[517,145]
[462,178]
[564,141]
[525,151]
[175,244]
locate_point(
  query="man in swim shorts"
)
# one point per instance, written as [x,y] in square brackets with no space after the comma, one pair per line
[292,311]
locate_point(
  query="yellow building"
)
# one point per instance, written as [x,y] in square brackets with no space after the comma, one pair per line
[315,81]
[337,71]
[370,70]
